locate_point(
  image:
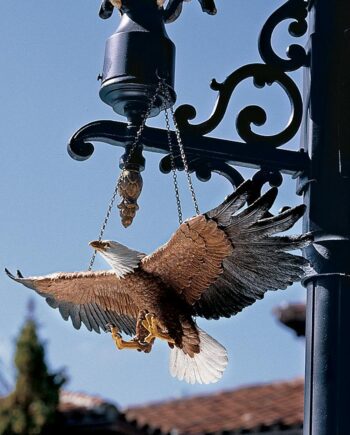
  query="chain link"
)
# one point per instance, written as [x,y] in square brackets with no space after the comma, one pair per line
[127,160]
[173,166]
[181,147]
[104,225]
[161,88]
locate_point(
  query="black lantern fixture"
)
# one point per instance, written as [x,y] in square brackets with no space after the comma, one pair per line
[136,56]
[140,54]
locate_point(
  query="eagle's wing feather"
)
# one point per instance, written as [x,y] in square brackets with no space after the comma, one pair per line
[92,298]
[192,259]
[259,261]
[223,261]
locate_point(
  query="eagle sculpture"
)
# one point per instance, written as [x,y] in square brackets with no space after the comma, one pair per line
[214,265]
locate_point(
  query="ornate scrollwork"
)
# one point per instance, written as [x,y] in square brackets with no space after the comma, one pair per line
[262,75]
[203,168]
[208,154]
[264,176]
[273,71]
[292,9]
[273,178]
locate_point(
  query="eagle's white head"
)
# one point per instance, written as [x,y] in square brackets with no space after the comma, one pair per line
[122,259]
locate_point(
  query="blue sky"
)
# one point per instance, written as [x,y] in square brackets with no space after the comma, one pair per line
[52,206]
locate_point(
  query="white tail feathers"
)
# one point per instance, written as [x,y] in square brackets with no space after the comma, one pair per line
[205,367]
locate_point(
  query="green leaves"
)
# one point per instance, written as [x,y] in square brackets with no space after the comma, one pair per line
[32,407]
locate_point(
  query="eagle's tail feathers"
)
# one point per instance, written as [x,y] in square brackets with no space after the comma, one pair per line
[205,367]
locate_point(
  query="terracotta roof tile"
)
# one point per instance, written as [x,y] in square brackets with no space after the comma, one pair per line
[245,409]
[69,400]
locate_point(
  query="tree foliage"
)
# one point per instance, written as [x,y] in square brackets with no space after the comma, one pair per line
[32,407]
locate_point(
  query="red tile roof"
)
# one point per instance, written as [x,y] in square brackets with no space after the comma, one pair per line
[277,404]
[69,400]
[83,413]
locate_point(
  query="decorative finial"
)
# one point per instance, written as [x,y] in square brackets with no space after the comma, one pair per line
[171,10]
[129,189]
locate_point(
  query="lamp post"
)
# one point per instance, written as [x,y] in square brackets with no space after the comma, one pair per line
[327,193]
[322,164]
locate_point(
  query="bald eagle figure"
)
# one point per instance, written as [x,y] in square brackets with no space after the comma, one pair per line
[214,265]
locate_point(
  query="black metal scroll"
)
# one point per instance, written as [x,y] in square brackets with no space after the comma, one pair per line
[203,168]
[262,75]
[208,154]
[293,9]
[272,71]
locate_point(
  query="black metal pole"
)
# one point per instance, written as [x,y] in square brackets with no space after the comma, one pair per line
[327,194]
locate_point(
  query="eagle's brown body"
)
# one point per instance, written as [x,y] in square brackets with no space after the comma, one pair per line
[153,296]
[215,265]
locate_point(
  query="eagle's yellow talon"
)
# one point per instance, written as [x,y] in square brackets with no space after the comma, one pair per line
[132,344]
[149,338]
[115,332]
[151,324]
[145,324]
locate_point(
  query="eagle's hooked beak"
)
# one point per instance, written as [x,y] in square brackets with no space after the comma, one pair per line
[99,246]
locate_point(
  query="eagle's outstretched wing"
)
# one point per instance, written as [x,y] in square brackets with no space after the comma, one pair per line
[222,262]
[93,298]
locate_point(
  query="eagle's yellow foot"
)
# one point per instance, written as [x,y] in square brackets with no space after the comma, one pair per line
[151,324]
[160,3]
[132,344]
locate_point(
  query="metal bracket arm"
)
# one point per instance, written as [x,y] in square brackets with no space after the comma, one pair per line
[154,139]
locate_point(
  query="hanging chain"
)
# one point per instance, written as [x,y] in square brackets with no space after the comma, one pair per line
[181,147]
[162,87]
[173,166]
[127,160]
